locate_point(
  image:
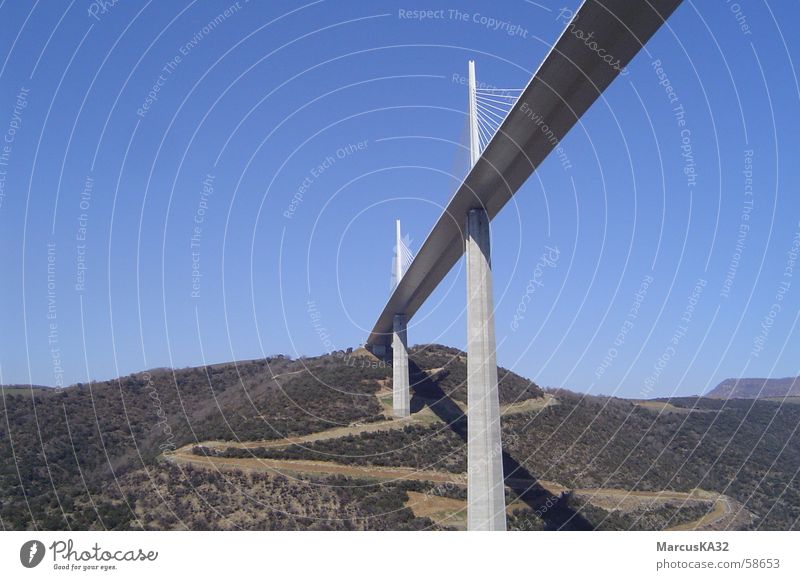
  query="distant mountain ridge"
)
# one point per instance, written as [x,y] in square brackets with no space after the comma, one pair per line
[756,388]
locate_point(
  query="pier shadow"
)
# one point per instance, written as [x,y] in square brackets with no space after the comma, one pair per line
[552,509]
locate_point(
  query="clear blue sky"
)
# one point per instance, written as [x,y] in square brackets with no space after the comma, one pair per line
[111,202]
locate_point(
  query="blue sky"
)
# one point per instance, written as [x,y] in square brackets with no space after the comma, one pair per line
[285,138]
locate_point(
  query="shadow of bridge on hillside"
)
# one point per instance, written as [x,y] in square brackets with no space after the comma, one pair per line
[548,506]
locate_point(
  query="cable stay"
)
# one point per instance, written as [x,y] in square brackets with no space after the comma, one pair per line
[402,257]
[491,107]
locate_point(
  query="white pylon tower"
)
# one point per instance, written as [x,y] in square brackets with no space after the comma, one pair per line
[401,388]
[486,506]
[474,140]
[398,251]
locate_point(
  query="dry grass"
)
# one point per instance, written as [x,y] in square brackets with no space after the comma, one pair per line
[445,511]
[529,405]
[288,466]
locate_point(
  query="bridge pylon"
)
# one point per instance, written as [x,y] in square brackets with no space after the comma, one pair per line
[507,146]
[401,388]
[486,505]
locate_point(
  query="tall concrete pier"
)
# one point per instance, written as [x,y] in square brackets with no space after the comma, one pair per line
[486,504]
[504,153]
[401,395]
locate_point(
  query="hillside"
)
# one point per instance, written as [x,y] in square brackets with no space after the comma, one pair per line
[756,388]
[310,444]
[16,389]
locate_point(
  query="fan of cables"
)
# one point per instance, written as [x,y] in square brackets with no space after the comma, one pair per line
[492,107]
[405,257]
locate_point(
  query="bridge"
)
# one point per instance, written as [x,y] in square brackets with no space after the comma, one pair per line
[597,44]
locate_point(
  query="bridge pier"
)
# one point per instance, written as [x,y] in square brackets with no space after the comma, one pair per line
[486,506]
[401,389]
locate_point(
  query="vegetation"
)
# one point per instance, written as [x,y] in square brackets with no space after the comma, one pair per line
[64,448]
[90,456]
[745,449]
[448,371]
[174,498]
[433,447]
